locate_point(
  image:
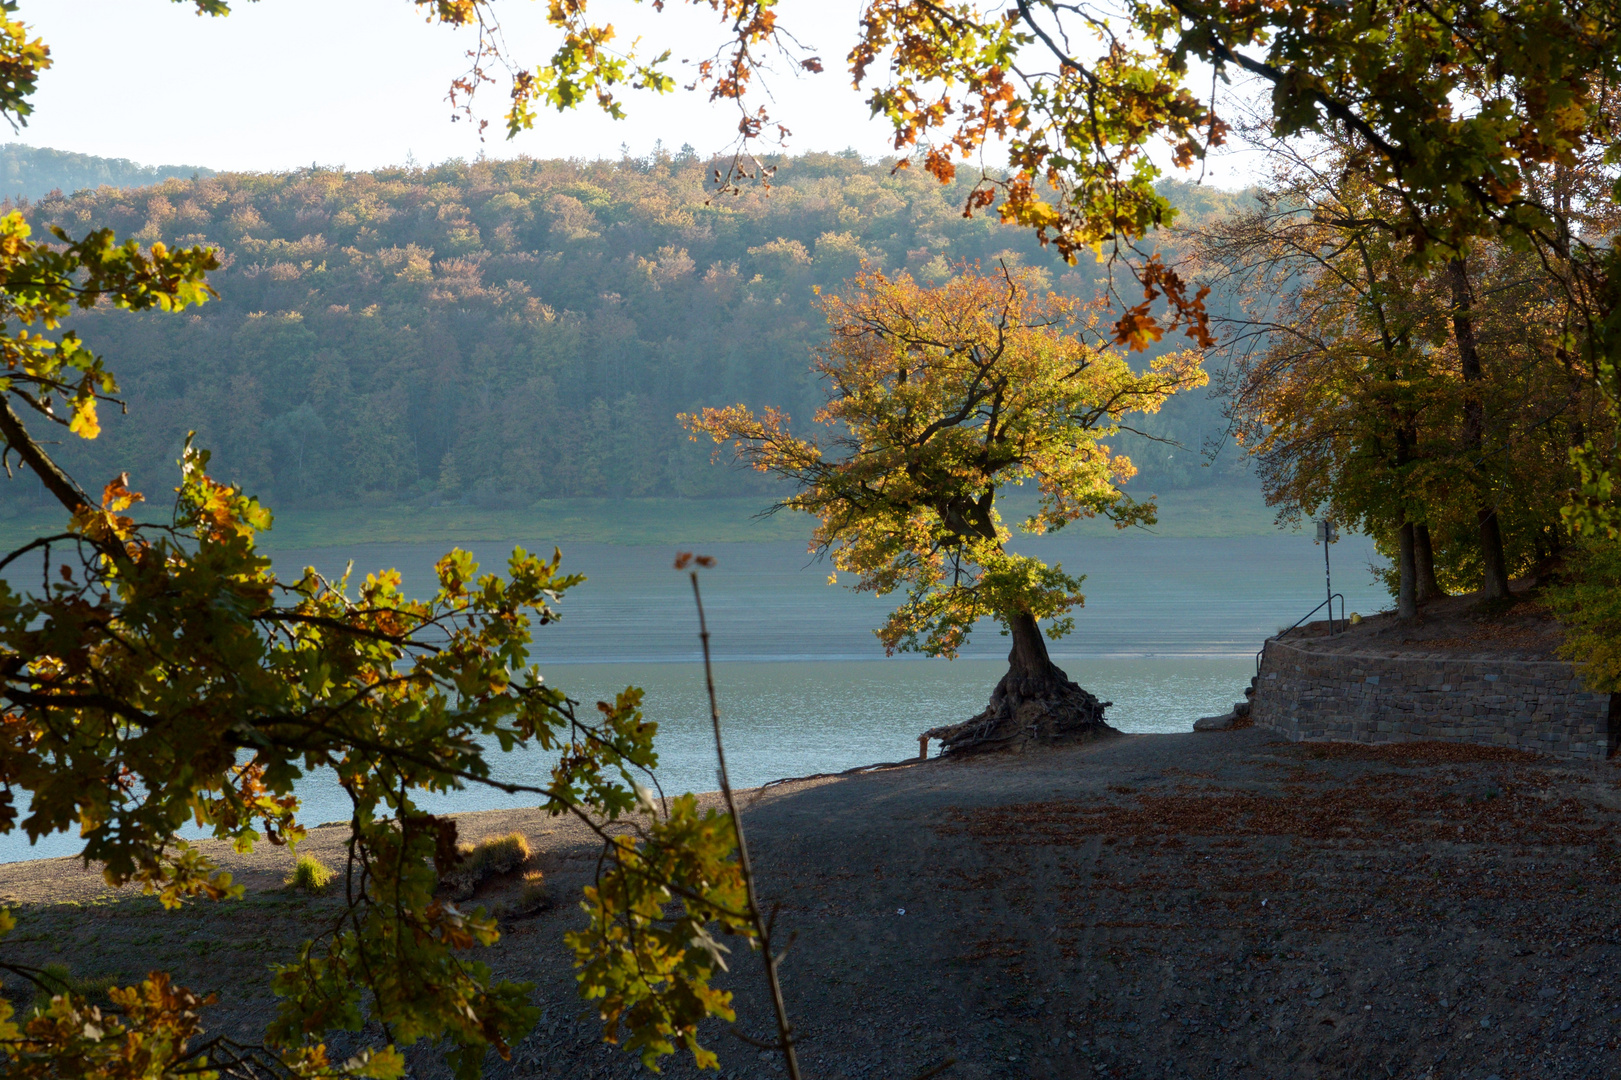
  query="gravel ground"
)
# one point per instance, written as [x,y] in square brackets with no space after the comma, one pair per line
[1220,905]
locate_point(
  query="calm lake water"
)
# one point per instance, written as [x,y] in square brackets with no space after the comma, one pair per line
[1168,633]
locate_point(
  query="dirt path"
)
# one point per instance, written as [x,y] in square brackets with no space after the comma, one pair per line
[1152,906]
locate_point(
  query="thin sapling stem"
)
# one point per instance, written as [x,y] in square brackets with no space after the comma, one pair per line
[762,930]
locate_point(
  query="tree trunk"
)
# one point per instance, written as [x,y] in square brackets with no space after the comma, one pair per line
[1407,575]
[1035,702]
[1491,555]
[1495,586]
[1030,670]
[1424,563]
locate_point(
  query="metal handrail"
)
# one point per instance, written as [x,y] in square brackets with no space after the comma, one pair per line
[1329,603]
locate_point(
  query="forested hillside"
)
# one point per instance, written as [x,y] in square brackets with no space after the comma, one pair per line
[30,172]
[500,332]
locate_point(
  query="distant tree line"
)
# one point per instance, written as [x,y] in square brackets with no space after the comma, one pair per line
[499,332]
[33,172]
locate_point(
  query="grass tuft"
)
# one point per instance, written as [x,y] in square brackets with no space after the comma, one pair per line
[484,860]
[498,854]
[61,980]
[533,897]
[309,874]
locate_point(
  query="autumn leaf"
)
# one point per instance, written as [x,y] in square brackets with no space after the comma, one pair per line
[85,423]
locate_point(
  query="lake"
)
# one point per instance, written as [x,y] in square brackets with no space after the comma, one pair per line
[1168,633]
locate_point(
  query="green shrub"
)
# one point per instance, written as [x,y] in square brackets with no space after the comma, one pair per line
[59,979]
[1588,602]
[309,874]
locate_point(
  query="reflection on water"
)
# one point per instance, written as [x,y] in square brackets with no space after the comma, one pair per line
[1168,634]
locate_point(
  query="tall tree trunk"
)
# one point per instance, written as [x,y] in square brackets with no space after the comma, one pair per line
[1495,585]
[1030,670]
[1491,554]
[1424,565]
[1406,544]
[1034,702]
[1407,575]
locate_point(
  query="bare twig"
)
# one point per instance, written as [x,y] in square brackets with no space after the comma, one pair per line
[785,1030]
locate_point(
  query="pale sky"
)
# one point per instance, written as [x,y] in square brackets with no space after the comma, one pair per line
[279,84]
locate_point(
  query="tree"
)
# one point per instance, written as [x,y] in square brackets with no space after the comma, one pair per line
[163,675]
[938,398]
[1371,387]
[1523,409]
[1333,384]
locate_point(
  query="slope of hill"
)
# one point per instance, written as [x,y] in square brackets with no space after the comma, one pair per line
[29,172]
[497,333]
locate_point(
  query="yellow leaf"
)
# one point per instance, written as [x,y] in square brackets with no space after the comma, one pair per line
[385,1064]
[85,423]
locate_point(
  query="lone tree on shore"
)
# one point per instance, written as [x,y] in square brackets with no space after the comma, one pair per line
[939,397]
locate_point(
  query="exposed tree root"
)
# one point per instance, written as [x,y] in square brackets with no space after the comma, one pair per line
[1027,710]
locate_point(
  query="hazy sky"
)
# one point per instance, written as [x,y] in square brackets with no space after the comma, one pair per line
[280,84]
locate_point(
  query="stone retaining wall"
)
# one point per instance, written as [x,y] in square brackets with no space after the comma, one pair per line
[1306,693]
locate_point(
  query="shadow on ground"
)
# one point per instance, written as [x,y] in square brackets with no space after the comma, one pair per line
[1151,906]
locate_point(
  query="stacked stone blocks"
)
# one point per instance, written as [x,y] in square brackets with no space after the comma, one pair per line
[1307,693]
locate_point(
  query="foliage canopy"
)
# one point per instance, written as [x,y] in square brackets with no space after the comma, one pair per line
[1588,602]
[938,397]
